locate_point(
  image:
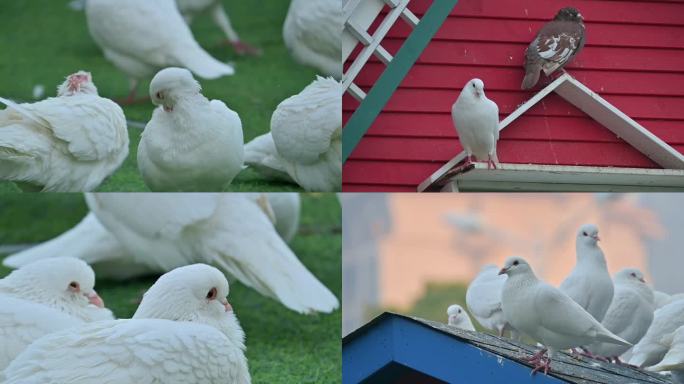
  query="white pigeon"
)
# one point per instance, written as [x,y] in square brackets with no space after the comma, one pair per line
[230,231]
[306,133]
[459,318]
[661,299]
[589,283]
[192,8]
[184,331]
[674,358]
[191,143]
[483,299]
[142,37]
[93,243]
[68,143]
[476,119]
[629,315]
[44,297]
[547,315]
[651,349]
[313,34]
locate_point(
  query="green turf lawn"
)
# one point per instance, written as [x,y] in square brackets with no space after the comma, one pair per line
[282,346]
[43,41]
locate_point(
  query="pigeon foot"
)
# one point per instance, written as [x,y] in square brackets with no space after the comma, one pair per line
[243,49]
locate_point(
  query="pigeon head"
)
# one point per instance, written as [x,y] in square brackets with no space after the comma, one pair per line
[475,87]
[172,84]
[630,275]
[569,14]
[515,265]
[80,82]
[63,282]
[588,234]
[194,293]
[455,313]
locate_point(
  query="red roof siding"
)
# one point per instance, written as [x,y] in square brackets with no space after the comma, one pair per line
[634,58]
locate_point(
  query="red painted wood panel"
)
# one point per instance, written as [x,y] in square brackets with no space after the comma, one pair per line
[634,58]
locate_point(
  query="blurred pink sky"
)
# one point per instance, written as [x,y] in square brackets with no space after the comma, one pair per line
[423,245]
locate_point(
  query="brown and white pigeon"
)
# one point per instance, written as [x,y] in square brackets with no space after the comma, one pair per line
[556,43]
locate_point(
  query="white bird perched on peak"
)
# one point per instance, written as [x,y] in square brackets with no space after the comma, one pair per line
[142,37]
[476,119]
[629,315]
[589,283]
[547,315]
[650,349]
[483,299]
[192,8]
[43,297]
[191,143]
[305,142]
[184,331]
[68,143]
[313,34]
[459,318]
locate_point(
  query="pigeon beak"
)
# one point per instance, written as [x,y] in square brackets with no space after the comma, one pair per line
[226,304]
[503,271]
[95,299]
[596,237]
[642,280]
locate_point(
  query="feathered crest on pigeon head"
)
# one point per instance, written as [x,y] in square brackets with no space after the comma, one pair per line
[631,275]
[569,14]
[194,293]
[515,265]
[80,82]
[62,282]
[588,234]
[170,84]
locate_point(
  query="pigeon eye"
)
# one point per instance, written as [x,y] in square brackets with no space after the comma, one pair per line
[459,311]
[473,85]
[633,274]
[211,295]
[585,234]
[160,96]
[74,285]
[516,262]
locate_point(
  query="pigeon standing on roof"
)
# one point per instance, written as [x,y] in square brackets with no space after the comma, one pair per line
[476,119]
[483,299]
[554,46]
[674,358]
[629,315]
[459,318]
[589,283]
[651,349]
[547,315]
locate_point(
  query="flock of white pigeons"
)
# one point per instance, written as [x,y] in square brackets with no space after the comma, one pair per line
[56,329]
[589,313]
[72,142]
[476,118]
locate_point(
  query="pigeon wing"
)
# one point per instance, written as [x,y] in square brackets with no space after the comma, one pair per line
[558,42]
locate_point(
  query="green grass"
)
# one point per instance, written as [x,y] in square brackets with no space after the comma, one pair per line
[43,41]
[282,346]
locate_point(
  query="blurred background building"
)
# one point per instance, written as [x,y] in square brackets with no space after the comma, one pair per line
[415,254]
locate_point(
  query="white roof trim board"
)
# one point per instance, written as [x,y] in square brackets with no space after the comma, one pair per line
[597,108]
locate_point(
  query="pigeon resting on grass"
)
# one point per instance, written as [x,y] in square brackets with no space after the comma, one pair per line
[305,142]
[476,119]
[313,35]
[459,318]
[629,315]
[191,8]
[555,45]
[191,143]
[142,37]
[68,143]
[184,331]
[44,297]
[547,315]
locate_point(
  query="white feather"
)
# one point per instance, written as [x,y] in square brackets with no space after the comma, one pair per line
[476,120]
[483,298]
[651,348]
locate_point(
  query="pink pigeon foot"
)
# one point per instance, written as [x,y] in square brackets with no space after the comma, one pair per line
[544,364]
[243,49]
[537,357]
[490,163]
